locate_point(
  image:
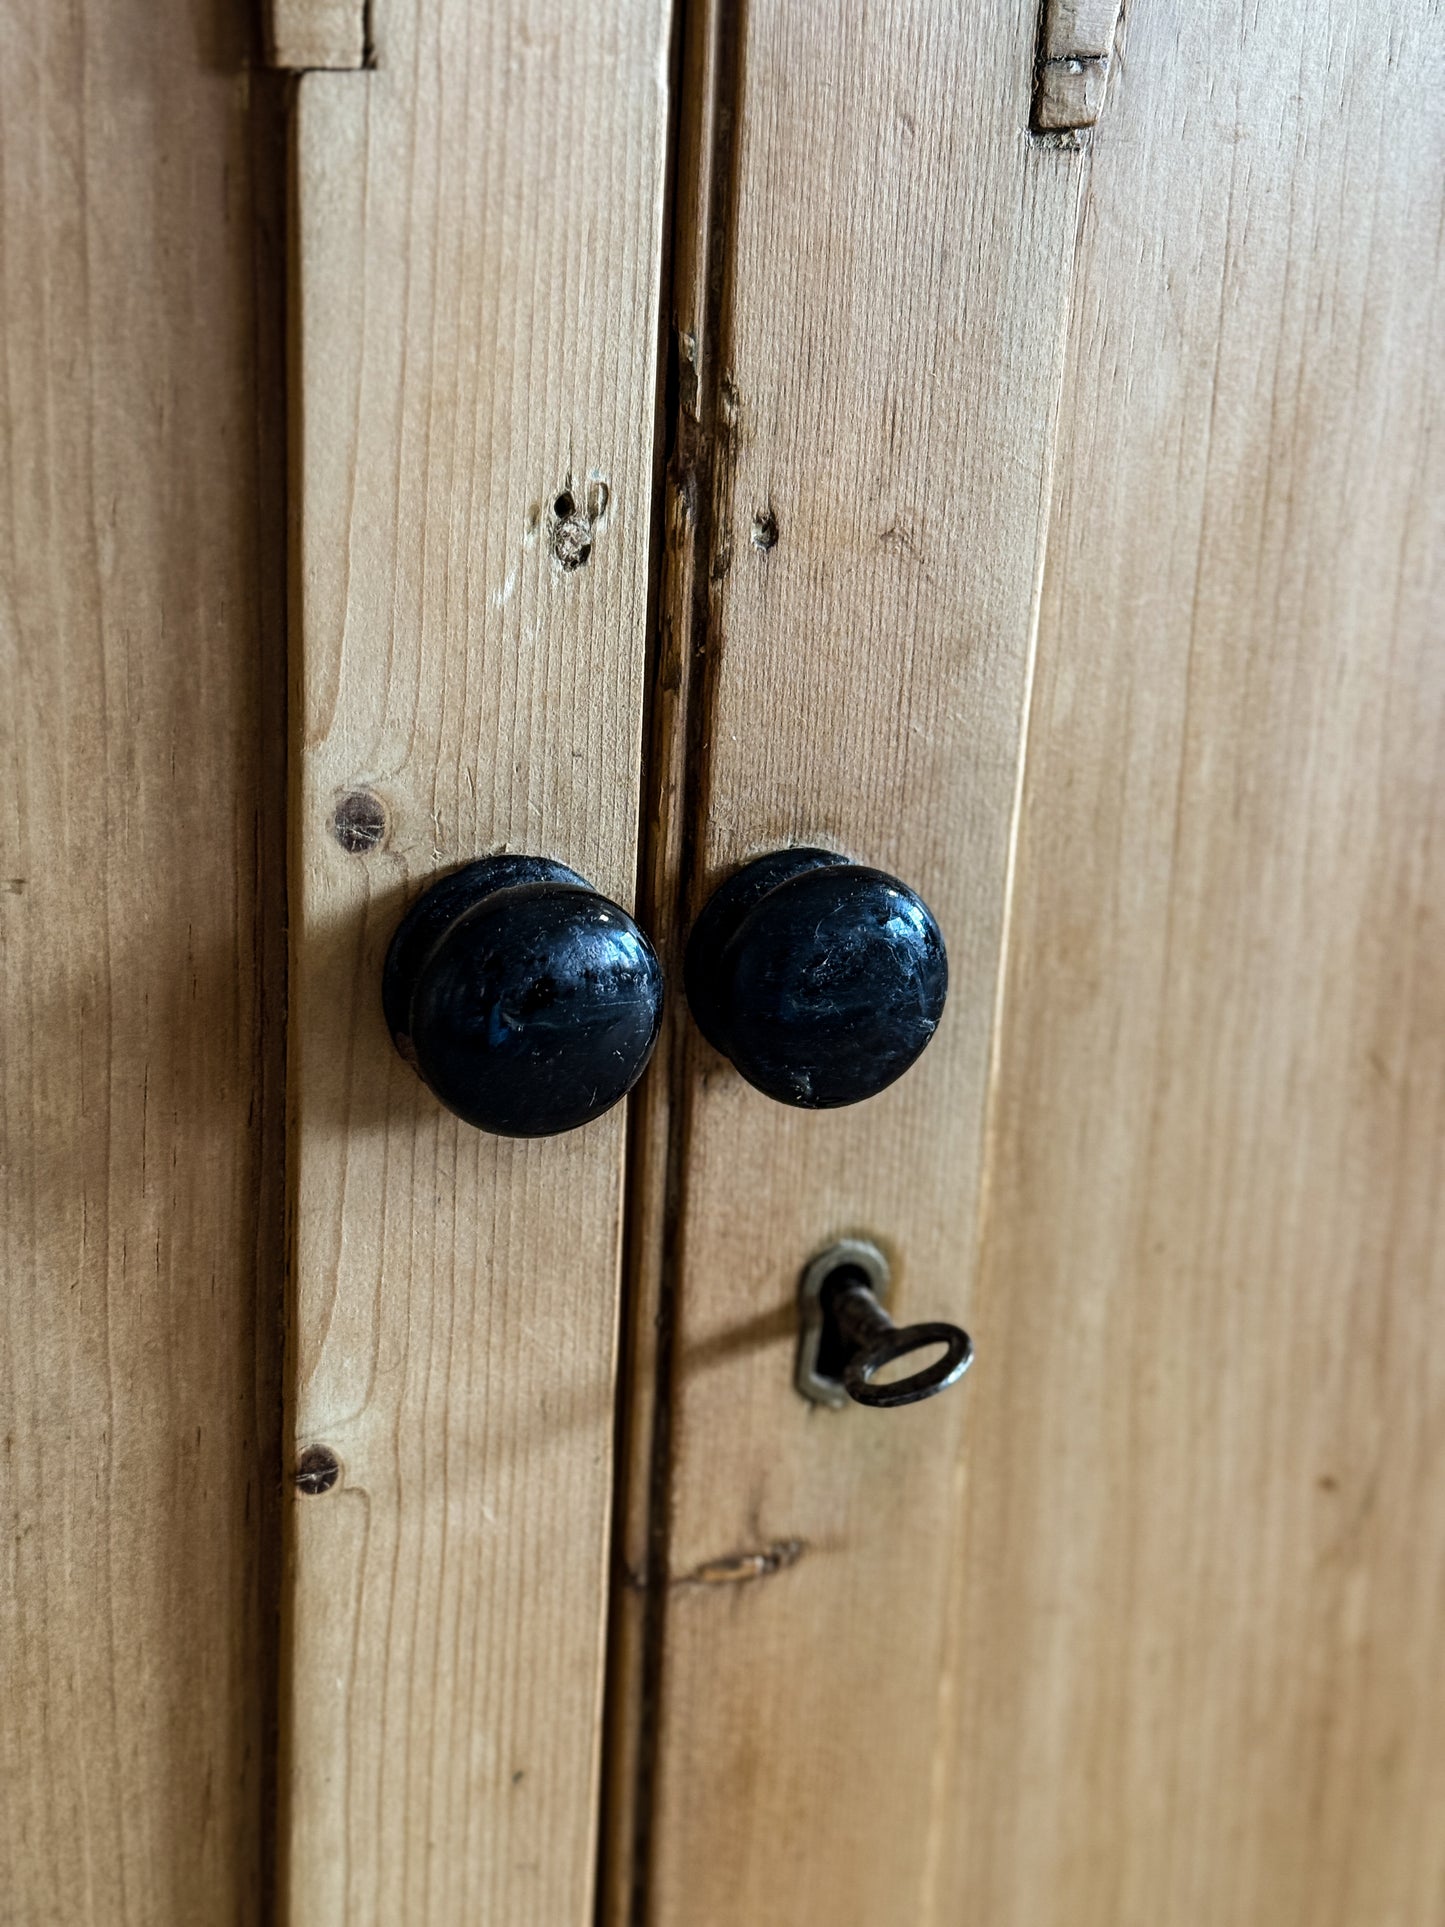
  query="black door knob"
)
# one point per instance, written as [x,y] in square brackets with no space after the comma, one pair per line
[528,1003]
[820,979]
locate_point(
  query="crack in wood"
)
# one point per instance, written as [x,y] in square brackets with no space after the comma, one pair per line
[739,1568]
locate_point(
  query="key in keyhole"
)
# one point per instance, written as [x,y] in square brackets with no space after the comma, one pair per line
[847,1337]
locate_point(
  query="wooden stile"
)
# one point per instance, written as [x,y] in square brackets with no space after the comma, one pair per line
[1200,1556]
[876,299]
[477,243]
[142,963]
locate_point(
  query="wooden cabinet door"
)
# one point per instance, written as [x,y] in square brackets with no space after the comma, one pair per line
[475,225]
[1002,445]
[1055,520]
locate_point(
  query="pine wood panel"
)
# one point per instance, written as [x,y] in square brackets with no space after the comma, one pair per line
[868,368]
[1144,1626]
[1201,1586]
[141,792]
[478,228]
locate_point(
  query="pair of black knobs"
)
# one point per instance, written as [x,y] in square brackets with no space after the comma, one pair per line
[530,1004]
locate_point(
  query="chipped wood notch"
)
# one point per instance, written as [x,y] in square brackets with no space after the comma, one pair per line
[1076,44]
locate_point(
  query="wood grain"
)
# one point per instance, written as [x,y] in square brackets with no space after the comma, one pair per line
[1197,1638]
[1145,1626]
[478,232]
[877,380]
[141,605]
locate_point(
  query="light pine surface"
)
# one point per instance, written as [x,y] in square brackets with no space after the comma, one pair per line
[477,233]
[1104,608]
[1145,1624]
[1196,1648]
[141,772]
[877,375]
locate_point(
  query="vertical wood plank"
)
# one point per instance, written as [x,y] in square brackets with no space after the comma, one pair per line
[1202,1582]
[141,954]
[885,271]
[478,231]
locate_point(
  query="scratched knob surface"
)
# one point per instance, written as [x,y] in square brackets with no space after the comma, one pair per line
[527,1002]
[820,979]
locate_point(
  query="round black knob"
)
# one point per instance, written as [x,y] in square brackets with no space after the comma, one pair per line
[820,979]
[527,1002]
